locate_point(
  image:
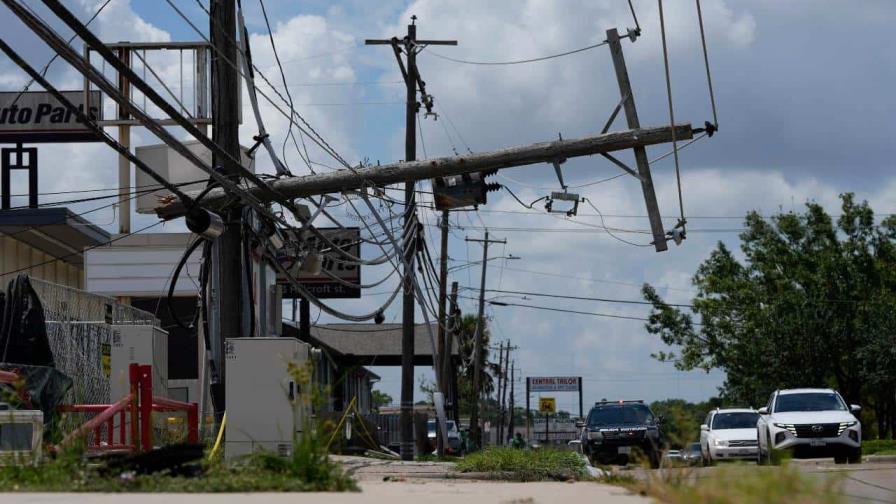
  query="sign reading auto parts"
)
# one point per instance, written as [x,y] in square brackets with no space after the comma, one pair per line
[37,117]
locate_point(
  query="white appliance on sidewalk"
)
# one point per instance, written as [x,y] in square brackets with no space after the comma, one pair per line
[265,406]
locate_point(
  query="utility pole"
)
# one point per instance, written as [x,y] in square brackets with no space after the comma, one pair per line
[227,263]
[512,399]
[506,377]
[450,370]
[499,405]
[443,317]
[631,116]
[410,46]
[475,431]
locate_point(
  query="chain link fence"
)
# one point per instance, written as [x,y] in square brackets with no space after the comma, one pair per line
[79,327]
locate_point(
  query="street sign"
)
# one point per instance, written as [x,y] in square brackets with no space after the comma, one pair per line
[323,285]
[547,404]
[37,117]
[554,384]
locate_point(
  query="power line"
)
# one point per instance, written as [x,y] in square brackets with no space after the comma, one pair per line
[518,62]
[580,298]
[563,310]
[46,67]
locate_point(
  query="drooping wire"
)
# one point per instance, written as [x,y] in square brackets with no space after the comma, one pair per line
[518,62]
[712,97]
[671,111]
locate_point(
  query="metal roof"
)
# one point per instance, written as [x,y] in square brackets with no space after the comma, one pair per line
[370,344]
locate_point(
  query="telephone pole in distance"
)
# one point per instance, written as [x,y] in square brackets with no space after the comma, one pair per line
[410,46]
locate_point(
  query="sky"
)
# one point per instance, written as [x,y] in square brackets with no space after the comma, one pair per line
[805,111]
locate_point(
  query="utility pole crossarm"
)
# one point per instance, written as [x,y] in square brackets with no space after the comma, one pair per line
[545,152]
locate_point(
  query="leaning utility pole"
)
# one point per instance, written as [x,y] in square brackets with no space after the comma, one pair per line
[227,263]
[411,47]
[475,431]
[498,403]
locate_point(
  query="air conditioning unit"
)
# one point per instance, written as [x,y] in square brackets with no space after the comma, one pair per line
[140,344]
[176,169]
[265,406]
[21,435]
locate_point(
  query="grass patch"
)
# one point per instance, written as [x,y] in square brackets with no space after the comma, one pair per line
[879,447]
[262,472]
[525,465]
[740,484]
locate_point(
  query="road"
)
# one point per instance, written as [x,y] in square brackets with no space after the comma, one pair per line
[373,492]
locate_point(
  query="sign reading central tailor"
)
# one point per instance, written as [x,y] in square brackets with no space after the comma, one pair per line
[38,117]
[554,384]
[323,285]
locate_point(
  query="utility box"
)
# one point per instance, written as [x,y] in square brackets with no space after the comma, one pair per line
[265,406]
[141,344]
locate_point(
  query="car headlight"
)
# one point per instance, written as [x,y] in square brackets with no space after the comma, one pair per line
[788,427]
[595,436]
[720,442]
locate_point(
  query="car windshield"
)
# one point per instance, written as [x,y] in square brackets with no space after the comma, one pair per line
[431,426]
[734,420]
[810,401]
[620,414]
[694,447]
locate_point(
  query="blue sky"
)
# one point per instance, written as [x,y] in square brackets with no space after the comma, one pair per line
[804,92]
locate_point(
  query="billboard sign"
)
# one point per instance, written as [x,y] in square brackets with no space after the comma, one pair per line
[323,285]
[38,117]
[554,383]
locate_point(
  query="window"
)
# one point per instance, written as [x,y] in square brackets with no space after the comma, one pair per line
[810,401]
[735,421]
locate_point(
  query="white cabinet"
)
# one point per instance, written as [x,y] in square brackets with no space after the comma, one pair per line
[140,344]
[264,403]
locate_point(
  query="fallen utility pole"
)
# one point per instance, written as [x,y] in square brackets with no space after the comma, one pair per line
[382,175]
[411,74]
[475,431]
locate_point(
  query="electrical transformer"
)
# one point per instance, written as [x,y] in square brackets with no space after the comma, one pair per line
[266,407]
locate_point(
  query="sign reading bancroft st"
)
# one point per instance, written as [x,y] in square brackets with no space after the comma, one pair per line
[554,384]
[38,117]
[323,285]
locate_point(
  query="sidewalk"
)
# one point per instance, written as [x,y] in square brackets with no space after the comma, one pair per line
[430,492]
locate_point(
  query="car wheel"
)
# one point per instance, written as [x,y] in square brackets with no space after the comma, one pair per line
[855,456]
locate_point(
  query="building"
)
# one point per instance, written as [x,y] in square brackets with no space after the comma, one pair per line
[46,243]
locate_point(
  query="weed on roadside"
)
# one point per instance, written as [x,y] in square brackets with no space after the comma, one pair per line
[739,484]
[526,465]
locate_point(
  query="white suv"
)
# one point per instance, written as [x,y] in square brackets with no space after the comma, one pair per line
[729,434]
[810,423]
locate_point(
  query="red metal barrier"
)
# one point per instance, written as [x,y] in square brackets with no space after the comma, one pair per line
[136,409]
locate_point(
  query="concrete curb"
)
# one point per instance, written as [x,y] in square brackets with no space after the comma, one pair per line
[879,459]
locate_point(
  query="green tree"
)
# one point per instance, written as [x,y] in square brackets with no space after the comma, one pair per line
[810,304]
[489,371]
[380,399]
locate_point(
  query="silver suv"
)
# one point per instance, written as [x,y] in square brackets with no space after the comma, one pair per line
[810,423]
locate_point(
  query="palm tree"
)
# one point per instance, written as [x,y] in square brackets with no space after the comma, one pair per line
[490,371]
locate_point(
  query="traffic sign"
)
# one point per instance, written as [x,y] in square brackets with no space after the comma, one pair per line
[547,404]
